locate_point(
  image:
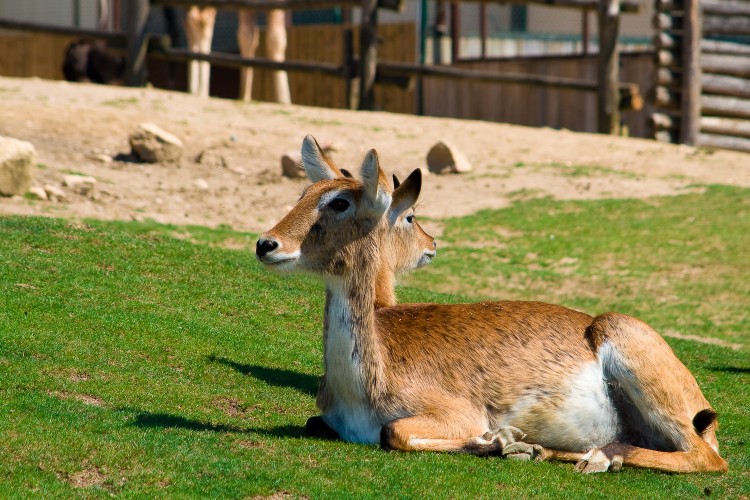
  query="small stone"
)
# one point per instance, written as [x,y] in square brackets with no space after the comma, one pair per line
[101,158]
[152,144]
[16,161]
[54,193]
[37,193]
[200,184]
[211,158]
[444,158]
[81,184]
[291,165]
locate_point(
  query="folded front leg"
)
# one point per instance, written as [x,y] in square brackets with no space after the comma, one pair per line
[466,435]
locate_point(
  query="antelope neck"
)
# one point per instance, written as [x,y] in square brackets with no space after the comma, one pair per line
[353,363]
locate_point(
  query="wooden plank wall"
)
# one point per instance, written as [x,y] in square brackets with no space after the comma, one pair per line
[24,54]
[535,106]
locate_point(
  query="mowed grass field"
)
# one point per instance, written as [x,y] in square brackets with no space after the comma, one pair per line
[144,360]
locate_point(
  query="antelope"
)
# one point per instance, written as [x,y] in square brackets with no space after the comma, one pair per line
[521,379]
[410,248]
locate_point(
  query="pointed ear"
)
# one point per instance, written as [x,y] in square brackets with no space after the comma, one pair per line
[317,165]
[396,182]
[405,195]
[375,183]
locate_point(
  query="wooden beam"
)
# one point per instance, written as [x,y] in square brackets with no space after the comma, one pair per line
[608,67]
[661,121]
[727,48]
[368,54]
[734,65]
[237,61]
[135,71]
[691,73]
[726,106]
[725,85]
[61,30]
[725,126]
[458,73]
[397,5]
[724,142]
[726,25]
[626,6]
[726,8]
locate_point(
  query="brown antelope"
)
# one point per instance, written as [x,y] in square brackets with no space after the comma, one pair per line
[602,391]
[409,245]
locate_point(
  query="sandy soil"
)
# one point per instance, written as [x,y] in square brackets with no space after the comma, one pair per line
[240,146]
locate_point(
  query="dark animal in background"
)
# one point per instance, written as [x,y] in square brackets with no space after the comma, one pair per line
[90,61]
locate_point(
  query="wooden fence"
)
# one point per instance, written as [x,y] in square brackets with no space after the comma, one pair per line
[538,106]
[702,90]
[27,54]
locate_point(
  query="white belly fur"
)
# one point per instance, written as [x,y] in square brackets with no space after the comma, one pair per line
[586,419]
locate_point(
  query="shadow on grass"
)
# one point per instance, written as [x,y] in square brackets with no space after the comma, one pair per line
[306,384]
[167,421]
[730,369]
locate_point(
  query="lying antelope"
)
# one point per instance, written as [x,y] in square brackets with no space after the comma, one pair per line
[410,247]
[602,391]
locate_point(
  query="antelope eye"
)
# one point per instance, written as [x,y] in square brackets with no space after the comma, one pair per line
[338,204]
[410,219]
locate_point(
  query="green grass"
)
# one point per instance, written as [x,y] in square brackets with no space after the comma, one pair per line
[144,360]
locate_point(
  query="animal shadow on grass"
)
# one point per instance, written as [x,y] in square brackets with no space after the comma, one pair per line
[731,369]
[306,384]
[167,421]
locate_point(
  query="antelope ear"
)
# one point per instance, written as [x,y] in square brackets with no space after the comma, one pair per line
[375,182]
[317,165]
[405,195]
[396,182]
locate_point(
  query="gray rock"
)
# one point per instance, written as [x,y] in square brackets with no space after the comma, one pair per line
[444,158]
[81,184]
[38,193]
[291,165]
[54,193]
[17,159]
[200,184]
[153,144]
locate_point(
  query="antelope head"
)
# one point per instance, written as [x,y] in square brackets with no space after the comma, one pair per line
[338,220]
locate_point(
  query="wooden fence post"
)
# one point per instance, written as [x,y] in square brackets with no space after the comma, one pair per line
[368,54]
[691,73]
[135,73]
[608,70]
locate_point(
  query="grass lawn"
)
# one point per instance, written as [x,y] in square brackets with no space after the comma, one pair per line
[146,360]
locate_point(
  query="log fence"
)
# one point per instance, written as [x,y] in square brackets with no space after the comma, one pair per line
[365,68]
[702,87]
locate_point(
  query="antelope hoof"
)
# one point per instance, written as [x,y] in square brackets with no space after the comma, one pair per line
[522,451]
[505,436]
[597,461]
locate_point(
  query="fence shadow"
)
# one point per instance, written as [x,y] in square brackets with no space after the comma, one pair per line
[304,383]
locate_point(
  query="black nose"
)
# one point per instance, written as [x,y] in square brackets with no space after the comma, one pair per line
[265,246]
[434,244]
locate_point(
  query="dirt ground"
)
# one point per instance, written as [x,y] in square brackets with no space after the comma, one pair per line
[240,146]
